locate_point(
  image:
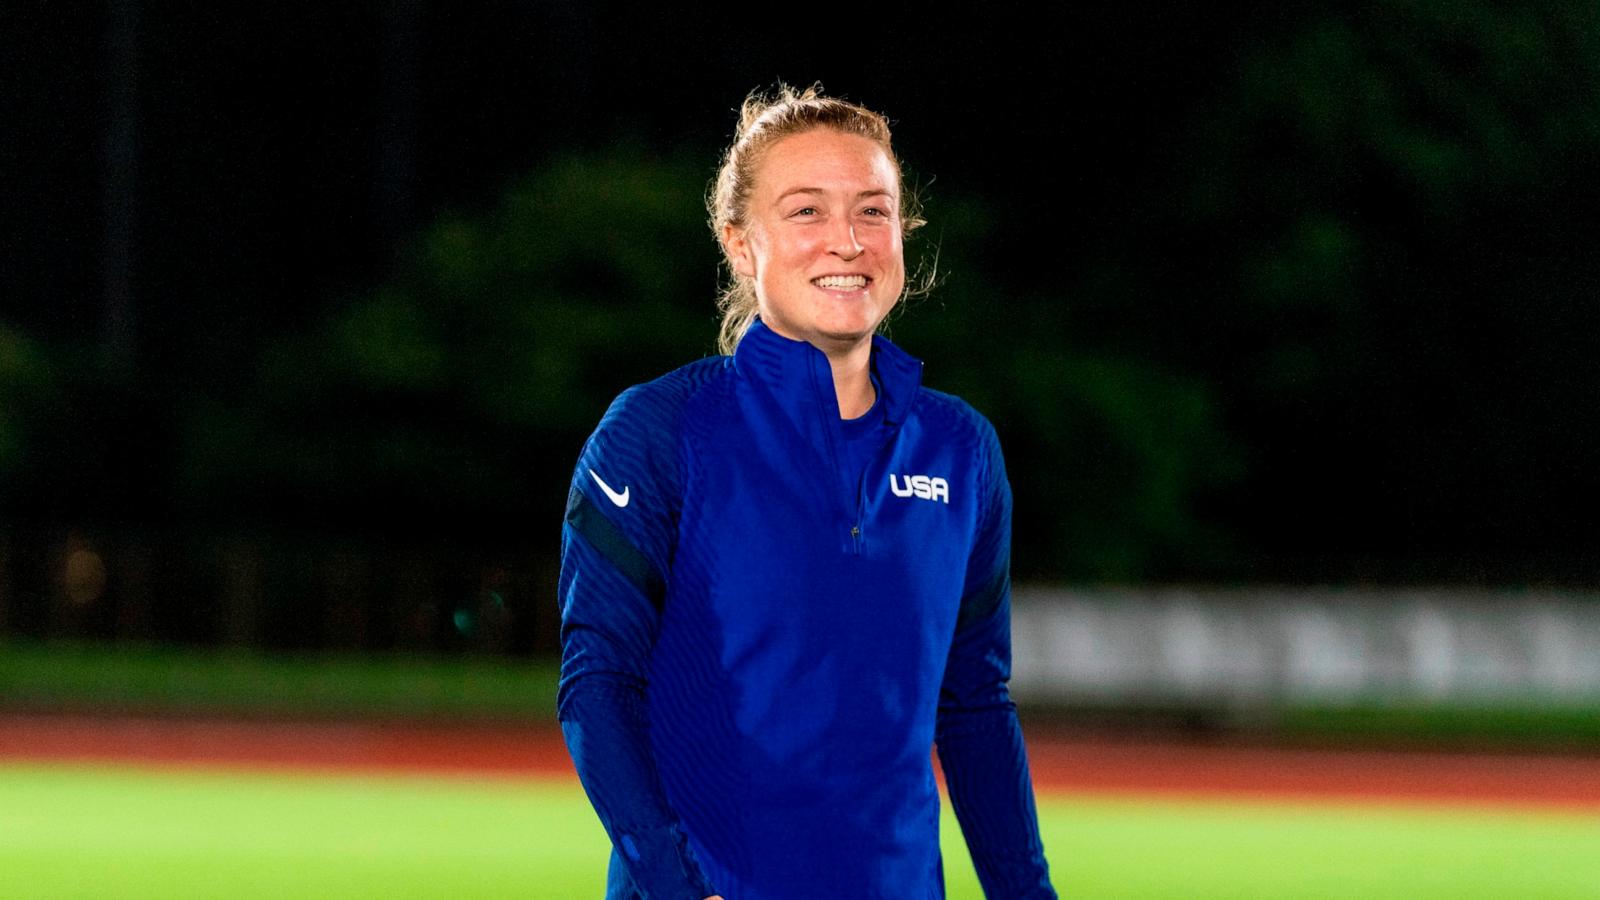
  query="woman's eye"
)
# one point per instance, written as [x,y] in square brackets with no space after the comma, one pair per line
[806,211]
[874,211]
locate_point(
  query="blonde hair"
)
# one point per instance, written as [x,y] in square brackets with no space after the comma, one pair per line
[763,121]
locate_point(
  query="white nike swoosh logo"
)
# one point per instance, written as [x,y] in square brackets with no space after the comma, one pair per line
[619,499]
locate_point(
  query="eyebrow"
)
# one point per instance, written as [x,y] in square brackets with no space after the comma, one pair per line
[870,192]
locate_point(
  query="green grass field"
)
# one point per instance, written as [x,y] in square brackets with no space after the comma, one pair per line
[80,831]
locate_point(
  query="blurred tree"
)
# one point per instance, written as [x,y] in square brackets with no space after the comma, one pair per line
[1375,240]
[1342,309]
[28,385]
[457,394]
[1109,452]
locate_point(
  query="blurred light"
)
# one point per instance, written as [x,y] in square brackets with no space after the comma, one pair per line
[85,576]
[464,621]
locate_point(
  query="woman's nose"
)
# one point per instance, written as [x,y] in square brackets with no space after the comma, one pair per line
[842,242]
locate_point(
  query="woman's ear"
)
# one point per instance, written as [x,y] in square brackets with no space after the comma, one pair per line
[737,246]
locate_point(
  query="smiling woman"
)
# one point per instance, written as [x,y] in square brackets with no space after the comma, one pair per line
[821,243]
[766,122]
[823,249]
[793,576]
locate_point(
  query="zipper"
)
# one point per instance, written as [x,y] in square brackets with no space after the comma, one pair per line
[822,380]
[892,433]
[858,516]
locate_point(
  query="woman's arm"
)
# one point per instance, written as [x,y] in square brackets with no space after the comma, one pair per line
[978,735]
[616,541]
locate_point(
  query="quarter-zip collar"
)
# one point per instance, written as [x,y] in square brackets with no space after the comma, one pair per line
[799,376]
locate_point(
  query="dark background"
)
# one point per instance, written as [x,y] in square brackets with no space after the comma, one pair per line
[305,310]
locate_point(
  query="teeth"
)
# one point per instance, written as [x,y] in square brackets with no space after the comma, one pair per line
[841,281]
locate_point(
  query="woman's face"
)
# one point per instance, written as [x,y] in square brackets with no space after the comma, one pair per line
[823,243]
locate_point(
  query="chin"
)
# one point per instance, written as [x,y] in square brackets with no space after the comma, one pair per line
[846,335]
[827,332]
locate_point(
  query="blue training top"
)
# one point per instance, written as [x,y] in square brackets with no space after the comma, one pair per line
[761,640]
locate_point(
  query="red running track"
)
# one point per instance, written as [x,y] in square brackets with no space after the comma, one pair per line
[1075,765]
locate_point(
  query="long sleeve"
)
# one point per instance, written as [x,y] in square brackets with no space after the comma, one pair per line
[978,735]
[616,543]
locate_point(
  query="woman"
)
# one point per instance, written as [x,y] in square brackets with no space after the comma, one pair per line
[785,570]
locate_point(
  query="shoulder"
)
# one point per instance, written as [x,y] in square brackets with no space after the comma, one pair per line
[954,418]
[637,440]
[656,406]
[960,426]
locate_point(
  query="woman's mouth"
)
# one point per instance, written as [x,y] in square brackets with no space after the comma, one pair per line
[841,282]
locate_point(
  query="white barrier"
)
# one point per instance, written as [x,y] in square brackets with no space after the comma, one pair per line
[1265,646]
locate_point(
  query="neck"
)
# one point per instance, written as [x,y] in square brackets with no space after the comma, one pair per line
[852,379]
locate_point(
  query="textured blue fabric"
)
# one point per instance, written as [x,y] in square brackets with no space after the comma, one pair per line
[759,644]
[861,438]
